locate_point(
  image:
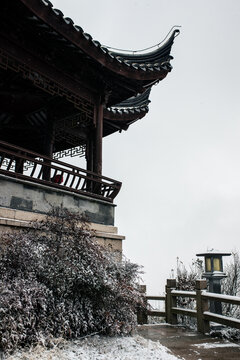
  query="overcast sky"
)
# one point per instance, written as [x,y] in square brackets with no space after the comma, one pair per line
[180,164]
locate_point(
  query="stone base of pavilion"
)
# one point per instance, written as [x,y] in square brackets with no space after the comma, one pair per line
[22,202]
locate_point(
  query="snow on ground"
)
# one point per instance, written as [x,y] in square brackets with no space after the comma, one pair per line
[216,345]
[100,348]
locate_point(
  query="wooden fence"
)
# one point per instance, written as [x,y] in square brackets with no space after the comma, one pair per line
[201,311]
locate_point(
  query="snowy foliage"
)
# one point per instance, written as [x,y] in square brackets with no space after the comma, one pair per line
[186,278]
[231,286]
[56,281]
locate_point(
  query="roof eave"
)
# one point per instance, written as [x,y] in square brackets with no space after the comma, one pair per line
[43,9]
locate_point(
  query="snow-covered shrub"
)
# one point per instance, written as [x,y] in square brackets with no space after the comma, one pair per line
[231,286]
[56,281]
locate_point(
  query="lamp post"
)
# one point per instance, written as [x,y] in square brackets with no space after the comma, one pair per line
[214,274]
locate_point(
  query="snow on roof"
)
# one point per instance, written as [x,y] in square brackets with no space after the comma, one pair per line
[214,252]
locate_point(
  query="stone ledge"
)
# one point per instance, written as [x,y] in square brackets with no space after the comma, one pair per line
[15,218]
[105,235]
[27,216]
[13,222]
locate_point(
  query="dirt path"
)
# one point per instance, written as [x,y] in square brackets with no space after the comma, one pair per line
[190,345]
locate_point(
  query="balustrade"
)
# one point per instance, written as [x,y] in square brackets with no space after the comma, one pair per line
[27,165]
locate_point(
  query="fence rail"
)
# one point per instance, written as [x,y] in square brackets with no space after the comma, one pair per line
[27,165]
[201,311]
[183,311]
[155,297]
[234,300]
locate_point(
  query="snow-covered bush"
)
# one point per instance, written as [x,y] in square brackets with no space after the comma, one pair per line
[231,286]
[56,281]
[186,278]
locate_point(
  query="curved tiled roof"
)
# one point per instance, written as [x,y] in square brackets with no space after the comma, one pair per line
[153,65]
[117,74]
[151,61]
[133,105]
[120,116]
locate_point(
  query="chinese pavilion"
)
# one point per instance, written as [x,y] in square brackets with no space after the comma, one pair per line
[61,92]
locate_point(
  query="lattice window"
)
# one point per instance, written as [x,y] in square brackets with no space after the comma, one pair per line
[46,84]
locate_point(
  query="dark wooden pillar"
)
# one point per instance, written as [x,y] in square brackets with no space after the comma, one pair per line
[89,159]
[90,151]
[19,166]
[97,158]
[19,162]
[48,144]
[202,305]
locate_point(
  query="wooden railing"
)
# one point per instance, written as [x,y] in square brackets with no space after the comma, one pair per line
[27,165]
[200,312]
[157,312]
[142,315]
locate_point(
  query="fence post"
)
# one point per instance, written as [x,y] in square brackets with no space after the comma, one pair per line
[170,302]
[202,305]
[142,313]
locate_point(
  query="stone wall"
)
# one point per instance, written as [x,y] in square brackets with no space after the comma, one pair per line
[25,195]
[22,201]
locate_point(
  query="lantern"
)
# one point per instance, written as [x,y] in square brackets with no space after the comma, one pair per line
[214,273]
